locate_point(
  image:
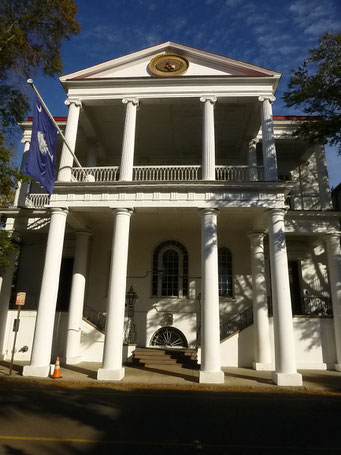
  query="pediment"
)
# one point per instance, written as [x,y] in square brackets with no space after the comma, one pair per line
[200,63]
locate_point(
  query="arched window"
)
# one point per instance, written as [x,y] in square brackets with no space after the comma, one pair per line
[170,270]
[225,272]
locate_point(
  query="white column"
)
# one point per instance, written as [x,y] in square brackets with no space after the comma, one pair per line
[42,342]
[210,370]
[334,268]
[285,373]
[66,159]
[262,351]
[252,160]
[21,192]
[6,279]
[77,298]
[268,140]
[112,369]
[208,138]
[128,145]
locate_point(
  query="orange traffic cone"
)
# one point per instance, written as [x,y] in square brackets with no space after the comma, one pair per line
[56,373]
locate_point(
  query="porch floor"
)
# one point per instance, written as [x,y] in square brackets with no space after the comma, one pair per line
[238,379]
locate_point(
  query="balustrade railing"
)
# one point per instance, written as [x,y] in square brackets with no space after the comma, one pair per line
[167,173]
[236,324]
[37,201]
[96,317]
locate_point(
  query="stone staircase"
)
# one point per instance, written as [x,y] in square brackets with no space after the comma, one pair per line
[157,357]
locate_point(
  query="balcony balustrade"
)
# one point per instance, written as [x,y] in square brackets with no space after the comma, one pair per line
[167,174]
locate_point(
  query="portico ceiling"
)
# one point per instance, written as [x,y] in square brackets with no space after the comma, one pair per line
[170,131]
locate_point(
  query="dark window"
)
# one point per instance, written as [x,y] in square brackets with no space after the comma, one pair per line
[225,272]
[65,282]
[170,270]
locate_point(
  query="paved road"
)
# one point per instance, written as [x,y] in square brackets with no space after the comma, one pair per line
[59,420]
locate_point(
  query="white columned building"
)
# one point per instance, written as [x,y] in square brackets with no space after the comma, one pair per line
[210,371]
[80,265]
[285,360]
[42,344]
[112,368]
[266,296]
[6,278]
[260,304]
[66,159]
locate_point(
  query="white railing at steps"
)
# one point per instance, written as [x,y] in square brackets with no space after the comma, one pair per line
[37,201]
[167,173]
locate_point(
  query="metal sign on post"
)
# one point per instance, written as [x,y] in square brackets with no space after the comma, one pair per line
[20,301]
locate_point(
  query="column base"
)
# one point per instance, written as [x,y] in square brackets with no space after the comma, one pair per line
[287,379]
[39,371]
[258,366]
[211,377]
[337,366]
[103,374]
[73,360]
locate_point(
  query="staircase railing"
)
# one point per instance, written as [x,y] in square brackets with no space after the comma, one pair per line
[236,324]
[96,317]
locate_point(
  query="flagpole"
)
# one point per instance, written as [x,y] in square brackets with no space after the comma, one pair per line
[30,81]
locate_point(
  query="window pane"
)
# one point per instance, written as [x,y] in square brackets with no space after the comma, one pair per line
[170,273]
[225,272]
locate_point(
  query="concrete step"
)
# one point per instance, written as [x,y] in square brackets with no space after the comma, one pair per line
[152,357]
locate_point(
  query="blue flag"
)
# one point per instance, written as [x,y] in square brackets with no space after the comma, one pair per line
[41,157]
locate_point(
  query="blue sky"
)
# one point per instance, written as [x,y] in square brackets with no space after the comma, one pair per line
[261,32]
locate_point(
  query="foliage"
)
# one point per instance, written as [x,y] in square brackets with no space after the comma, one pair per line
[317,86]
[31,32]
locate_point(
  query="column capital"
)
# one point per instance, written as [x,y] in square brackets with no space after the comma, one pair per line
[276,211]
[26,137]
[133,101]
[211,98]
[253,142]
[256,235]
[269,98]
[122,211]
[61,211]
[209,210]
[329,235]
[83,234]
[77,103]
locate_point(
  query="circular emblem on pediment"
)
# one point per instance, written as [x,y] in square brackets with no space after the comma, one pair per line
[168,65]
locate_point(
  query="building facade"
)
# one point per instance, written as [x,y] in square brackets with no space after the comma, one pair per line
[197,221]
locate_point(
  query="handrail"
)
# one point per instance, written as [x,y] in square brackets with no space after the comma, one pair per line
[96,317]
[236,324]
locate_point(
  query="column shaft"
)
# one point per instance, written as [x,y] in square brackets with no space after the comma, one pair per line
[112,356]
[262,352]
[128,145]
[268,140]
[208,138]
[66,159]
[21,192]
[42,343]
[77,298]
[210,327]
[6,279]
[334,268]
[285,358]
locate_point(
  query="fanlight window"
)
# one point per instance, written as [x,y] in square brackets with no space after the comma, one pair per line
[170,270]
[225,272]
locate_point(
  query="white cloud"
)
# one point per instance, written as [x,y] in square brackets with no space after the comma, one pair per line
[314,17]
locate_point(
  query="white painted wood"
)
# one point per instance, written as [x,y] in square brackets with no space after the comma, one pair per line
[285,373]
[42,344]
[208,138]
[268,141]
[128,145]
[76,304]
